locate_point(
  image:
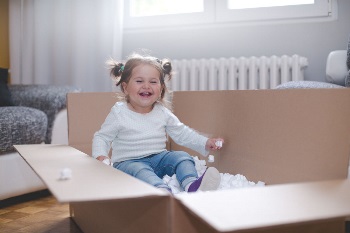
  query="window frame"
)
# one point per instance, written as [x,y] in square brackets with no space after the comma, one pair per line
[320,9]
[170,20]
[216,12]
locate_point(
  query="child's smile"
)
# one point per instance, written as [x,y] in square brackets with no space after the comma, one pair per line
[145,94]
[143,88]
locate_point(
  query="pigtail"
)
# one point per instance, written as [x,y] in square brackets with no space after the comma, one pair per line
[166,95]
[116,70]
[167,68]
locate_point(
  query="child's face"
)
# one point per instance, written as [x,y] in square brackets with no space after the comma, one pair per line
[143,88]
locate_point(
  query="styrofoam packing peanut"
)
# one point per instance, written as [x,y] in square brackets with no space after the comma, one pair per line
[65,174]
[106,161]
[201,162]
[218,143]
[228,181]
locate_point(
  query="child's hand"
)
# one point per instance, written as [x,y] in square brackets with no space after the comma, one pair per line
[214,144]
[104,159]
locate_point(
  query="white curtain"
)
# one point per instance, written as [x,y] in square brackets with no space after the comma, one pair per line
[65,42]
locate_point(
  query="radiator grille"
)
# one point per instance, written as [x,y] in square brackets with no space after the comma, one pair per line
[236,73]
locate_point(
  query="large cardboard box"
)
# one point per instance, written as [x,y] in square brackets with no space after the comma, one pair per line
[297,141]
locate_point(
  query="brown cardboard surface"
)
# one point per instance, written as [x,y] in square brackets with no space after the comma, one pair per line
[185,220]
[87,112]
[275,136]
[269,207]
[91,180]
[151,214]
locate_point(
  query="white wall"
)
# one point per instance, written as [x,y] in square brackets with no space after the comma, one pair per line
[313,40]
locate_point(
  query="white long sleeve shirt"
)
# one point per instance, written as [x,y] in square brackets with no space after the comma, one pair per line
[133,135]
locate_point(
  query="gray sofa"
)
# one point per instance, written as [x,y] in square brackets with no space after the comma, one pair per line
[28,115]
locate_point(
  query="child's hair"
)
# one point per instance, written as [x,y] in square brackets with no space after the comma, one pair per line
[122,72]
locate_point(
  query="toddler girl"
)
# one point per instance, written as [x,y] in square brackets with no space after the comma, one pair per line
[138,124]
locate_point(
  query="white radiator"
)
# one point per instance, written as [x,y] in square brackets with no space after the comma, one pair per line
[236,73]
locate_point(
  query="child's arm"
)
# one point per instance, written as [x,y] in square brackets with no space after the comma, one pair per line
[185,136]
[101,142]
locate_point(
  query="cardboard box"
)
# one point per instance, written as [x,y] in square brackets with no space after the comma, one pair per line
[297,141]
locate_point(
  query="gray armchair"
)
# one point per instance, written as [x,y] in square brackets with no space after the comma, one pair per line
[30,119]
[337,72]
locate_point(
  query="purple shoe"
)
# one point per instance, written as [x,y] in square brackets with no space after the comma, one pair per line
[210,180]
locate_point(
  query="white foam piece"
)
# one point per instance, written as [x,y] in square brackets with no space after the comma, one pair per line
[218,143]
[211,159]
[65,174]
[228,181]
[106,161]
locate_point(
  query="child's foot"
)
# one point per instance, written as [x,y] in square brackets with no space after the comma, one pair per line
[210,180]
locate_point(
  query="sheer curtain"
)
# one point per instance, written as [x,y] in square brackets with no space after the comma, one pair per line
[65,42]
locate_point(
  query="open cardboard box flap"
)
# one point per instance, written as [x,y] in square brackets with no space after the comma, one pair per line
[90,179]
[276,136]
[264,207]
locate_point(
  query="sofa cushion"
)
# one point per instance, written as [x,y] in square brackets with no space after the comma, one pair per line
[348,54]
[5,95]
[21,125]
[307,84]
[50,99]
[347,79]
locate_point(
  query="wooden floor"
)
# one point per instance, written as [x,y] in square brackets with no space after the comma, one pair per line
[38,212]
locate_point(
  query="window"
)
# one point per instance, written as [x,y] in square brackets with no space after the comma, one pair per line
[169,13]
[234,4]
[176,16]
[246,11]
[140,8]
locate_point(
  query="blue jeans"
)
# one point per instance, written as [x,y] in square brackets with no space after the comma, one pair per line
[151,169]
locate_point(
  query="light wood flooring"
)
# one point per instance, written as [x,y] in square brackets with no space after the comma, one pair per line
[38,212]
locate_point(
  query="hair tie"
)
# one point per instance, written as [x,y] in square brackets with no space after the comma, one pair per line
[121,69]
